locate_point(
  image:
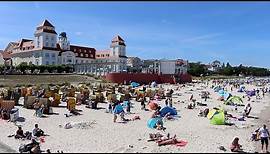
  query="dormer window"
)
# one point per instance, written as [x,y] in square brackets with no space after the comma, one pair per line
[81,55]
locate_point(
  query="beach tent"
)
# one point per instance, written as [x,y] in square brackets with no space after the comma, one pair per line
[217,88]
[224,94]
[166,110]
[134,84]
[216,117]
[153,121]
[234,100]
[153,105]
[251,93]
[118,109]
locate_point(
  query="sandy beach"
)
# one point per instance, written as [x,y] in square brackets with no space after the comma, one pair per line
[105,136]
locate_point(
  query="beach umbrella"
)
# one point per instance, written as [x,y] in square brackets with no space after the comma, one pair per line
[151,123]
[166,110]
[153,105]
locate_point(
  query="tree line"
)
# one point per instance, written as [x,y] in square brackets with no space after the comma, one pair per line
[198,69]
[25,68]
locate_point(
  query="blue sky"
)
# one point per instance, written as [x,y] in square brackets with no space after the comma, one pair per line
[235,32]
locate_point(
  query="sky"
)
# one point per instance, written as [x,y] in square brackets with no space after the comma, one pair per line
[234,32]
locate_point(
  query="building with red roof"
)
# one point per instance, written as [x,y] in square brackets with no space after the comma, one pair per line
[48,49]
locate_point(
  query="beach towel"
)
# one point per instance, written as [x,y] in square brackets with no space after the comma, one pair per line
[181,143]
[167,110]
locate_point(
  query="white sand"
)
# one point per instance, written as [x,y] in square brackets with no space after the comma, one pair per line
[106,136]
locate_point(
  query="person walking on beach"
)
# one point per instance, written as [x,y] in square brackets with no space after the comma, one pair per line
[264,134]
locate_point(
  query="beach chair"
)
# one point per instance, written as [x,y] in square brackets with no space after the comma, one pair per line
[7,104]
[71,103]
[29,101]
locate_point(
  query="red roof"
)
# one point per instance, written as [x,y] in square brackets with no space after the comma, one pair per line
[83,52]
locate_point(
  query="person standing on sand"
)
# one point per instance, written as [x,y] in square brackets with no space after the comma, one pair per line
[264,134]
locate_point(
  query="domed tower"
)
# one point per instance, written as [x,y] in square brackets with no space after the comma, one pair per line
[45,35]
[63,41]
[118,47]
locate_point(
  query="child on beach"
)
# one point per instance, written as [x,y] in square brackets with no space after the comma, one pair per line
[235,146]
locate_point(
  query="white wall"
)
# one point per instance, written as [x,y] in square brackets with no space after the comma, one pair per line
[167,67]
[66,56]
[1,59]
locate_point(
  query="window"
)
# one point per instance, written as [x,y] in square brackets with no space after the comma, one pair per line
[47,62]
[77,54]
[74,50]
[69,61]
[52,44]
[86,55]
[36,55]
[47,44]
[85,51]
[47,55]
[82,61]
[53,55]
[76,61]
[53,62]
[47,38]
[81,55]
[52,38]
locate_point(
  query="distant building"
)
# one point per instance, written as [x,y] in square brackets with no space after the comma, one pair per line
[164,66]
[107,61]
[47,49]
[134,64]
[214,66]
[2,61]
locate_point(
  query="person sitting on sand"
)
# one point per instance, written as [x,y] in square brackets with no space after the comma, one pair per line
[19,133]
[235,146]
[247,110]
[37,131]
[5,115]
[159,125]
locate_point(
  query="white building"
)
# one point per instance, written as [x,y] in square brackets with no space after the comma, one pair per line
[47,49]
[2,61]
[164,66]
[107,61]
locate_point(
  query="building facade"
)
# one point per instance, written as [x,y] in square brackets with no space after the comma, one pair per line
[164,66]
[134,64]
[49,49]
